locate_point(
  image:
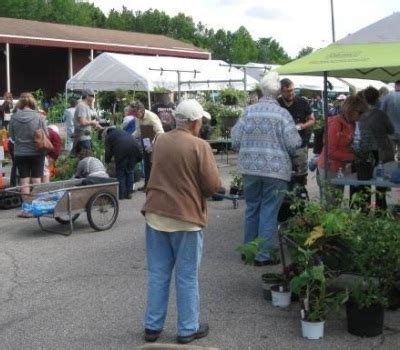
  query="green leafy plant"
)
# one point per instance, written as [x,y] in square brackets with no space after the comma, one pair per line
[161,90]
[233,97]
[250,250]
[311,284]
[56,109]
[65,167]
[376,258]
[237,180]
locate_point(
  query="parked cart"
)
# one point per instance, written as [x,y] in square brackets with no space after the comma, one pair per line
[68,199]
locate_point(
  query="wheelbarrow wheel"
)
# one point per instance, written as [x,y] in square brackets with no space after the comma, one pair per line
[64,220]
[102,211]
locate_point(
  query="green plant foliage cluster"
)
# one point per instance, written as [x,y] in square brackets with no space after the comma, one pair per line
[348,239]
[65,167]
[56,109]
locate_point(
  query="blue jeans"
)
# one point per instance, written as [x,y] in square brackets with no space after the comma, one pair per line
[124,171]
[264,197]
[165,251]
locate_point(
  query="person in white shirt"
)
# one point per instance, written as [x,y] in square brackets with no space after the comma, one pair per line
[68,119]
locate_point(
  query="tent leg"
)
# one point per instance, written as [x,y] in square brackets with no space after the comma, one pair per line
[149,99]
[326,109]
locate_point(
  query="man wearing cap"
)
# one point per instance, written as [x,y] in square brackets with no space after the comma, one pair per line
[83,122]
[148,127]
[304,119]
[184,174]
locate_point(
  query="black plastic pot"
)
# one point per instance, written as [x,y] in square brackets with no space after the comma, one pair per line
[365,170]
[233,190]
[366,322]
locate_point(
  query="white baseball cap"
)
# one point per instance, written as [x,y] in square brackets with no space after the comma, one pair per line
[191,110]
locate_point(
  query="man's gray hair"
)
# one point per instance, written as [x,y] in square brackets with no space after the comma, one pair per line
[270,84]
[182,123]
[137,106]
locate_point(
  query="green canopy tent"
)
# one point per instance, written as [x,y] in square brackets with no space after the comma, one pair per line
[371,53]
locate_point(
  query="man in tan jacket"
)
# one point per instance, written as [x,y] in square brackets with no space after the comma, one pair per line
[184,174]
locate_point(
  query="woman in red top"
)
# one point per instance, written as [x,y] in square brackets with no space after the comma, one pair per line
[340,137]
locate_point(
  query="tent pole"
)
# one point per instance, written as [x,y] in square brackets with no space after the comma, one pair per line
[179,86]
[149,99]
[326,109]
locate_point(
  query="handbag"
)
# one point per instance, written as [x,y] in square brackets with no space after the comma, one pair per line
[42,141]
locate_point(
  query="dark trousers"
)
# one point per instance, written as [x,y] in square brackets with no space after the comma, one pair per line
[147,166]
[124,170]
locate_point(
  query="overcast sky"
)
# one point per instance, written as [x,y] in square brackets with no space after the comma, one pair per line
[295,24]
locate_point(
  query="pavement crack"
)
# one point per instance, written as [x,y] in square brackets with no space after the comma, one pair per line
[10,281]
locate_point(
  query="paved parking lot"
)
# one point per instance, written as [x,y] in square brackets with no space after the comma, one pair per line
[88,291]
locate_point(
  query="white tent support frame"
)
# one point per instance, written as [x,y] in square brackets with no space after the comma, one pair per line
[180,82]
[178,72]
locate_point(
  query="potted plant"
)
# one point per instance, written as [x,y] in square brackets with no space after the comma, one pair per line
[317,302]
[365,309]
[248,252]
[364,164]
[236,184]
[376,258]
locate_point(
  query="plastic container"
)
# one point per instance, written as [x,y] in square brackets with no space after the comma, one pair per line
[366,322]
[380,172]
[312,330]
[281,296]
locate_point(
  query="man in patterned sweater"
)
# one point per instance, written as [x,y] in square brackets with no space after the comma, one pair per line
[267,138]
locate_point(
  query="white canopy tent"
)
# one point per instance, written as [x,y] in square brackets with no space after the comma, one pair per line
[361,84]
[257,71]
[110,71]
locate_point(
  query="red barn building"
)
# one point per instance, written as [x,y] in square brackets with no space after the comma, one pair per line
[45,55]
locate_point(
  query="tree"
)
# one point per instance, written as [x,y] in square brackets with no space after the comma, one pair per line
[123,20]
[220,45]
[243,48]
[269,51]
[152,21]
[305,51]
[182,27]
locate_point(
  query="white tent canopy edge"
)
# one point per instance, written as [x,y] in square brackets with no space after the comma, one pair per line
[109,72]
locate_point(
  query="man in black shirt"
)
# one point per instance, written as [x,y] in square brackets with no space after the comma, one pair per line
[165,109]
[304,119]
[127,153]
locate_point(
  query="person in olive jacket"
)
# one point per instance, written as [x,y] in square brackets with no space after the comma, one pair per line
[127,153]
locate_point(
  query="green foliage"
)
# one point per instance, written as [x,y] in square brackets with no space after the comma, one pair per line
[367,293]
[56,110]
[376,256]
[233,97]
[243,48]
[304,52]
[160,90]
[251,249]
[98,146]
[269,51]
[311,284]
[237,180]
[65,167]
[39,97]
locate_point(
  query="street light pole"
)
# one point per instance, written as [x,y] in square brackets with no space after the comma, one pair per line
[333,22]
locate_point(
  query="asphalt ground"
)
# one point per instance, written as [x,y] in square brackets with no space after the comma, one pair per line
[88,290]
